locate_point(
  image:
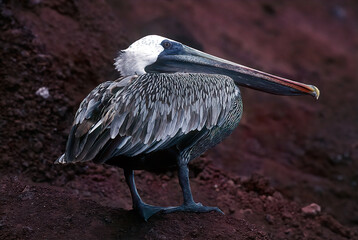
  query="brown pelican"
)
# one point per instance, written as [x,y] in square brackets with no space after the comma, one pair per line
[171,105]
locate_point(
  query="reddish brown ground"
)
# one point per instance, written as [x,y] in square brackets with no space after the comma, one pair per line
[287,152]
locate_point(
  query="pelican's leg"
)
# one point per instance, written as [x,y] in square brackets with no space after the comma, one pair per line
[188,205]
[144,210]
[183,175]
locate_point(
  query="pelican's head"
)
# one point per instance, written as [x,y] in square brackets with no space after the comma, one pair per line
[156,54]
[139,55]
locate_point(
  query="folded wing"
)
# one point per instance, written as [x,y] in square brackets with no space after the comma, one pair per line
[136,115]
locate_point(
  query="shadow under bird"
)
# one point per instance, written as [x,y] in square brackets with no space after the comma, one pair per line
[171,105]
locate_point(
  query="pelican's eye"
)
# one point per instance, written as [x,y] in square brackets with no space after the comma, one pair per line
[166,44]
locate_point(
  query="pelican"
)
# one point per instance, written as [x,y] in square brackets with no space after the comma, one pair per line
[171,104]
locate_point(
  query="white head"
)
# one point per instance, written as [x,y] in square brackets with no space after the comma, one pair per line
[141,53]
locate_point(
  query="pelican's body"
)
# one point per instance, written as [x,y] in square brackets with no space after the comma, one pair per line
[172,104]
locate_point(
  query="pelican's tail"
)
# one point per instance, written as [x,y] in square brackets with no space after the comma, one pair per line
[61,159]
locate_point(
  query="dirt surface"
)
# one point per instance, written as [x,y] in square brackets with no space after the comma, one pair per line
[287,152]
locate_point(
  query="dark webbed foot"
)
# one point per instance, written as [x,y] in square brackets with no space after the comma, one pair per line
[193,207]
[146,210]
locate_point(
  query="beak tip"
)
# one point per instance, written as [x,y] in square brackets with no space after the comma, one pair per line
[315,92]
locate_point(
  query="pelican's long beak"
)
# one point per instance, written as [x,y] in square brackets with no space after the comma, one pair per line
[194,61]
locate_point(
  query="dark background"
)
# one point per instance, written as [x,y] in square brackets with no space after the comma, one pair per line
[286,153]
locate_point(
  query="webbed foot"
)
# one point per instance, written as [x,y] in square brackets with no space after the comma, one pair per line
[192,207]
[146,210]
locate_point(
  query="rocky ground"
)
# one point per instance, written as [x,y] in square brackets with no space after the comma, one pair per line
[287,153]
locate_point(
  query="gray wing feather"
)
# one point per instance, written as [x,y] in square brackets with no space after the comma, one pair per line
[143,114]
